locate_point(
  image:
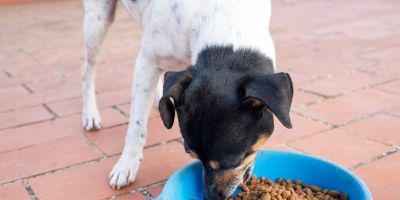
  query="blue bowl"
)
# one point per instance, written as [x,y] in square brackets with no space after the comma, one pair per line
[186,183]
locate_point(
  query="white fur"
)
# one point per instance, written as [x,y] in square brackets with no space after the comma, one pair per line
[175,31]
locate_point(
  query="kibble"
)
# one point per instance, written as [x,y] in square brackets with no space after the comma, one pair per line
[284,189]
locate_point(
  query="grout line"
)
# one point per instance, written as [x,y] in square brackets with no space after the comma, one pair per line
[368,138]
[27,88]
[26,124]
[50,111]
[79,112]
[19,108]
[150,196]
[388,92]
[93,145]
[343,124]
[142,190]
[114,126]
[88,162]
[313,78]
[114,197]
[375,61]
[374,159]
[314,119]
[7,73]
[384,82]
[115,107]
[315,93]
[311,135]
[360,118]
[179,140]
[62,100]
[358,132]
[150,146]
[28,189]
[145,193]
[348,92]
[295,148]
[366,71]
[55,116]
[387,112]
[345,93]
[52,119]
[33,145]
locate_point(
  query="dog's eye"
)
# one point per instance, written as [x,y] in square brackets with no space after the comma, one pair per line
[248,154]
[230,164]
[234,163]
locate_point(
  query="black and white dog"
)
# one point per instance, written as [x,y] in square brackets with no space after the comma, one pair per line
[224,99]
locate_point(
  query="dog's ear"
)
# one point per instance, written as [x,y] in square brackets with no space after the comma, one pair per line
[274,91]
[174,85]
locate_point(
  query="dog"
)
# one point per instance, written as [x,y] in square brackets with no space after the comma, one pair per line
[212,62]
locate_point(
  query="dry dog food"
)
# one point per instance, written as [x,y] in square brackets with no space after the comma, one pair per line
[266,189]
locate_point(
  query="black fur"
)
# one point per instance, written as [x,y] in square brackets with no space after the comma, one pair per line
[224,103]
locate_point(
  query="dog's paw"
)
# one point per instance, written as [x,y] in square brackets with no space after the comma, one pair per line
[124,172]
[91,120]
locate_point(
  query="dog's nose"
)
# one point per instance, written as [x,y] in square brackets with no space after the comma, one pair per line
[213,195]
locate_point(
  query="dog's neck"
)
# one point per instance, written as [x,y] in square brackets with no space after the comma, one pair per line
[214,60]
[226,26]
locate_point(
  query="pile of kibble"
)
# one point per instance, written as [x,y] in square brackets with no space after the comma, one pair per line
[266,189]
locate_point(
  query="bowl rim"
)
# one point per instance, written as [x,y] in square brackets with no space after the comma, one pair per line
[362,184]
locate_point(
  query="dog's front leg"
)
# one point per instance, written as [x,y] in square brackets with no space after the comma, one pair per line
[145,80]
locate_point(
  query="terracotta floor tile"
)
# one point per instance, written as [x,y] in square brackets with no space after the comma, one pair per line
[382,177]
[346,108]
[158,133]
[341,147]
[301,127]
[90,181]
[13,191]
[298,78]
[17,97]
[392,87]
[380,127]
[111,141]
[60,93]
[111,117]
[395,111]
[118,83]
[14,91]
[126,108]
[30,135]
[23,116]
[45,157]
[387,69]
[132,196]
[16,102]
[340,84]
[73,106]
[385,55]
[301,99]
[156,190]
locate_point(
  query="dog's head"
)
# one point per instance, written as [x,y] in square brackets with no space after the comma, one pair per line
[225,110]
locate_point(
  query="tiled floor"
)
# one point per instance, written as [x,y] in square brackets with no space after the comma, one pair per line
[343,56]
